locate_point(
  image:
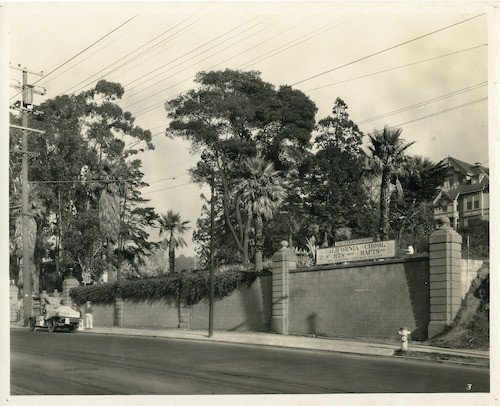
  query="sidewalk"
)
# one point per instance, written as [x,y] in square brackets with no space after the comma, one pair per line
[350,346]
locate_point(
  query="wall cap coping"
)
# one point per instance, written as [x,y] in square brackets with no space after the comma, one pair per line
[360,264]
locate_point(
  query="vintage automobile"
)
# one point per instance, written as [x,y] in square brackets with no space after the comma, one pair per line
[49,313]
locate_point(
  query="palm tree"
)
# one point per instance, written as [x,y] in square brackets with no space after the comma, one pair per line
[423,177]
[262,191]
[173,227]
[389,160]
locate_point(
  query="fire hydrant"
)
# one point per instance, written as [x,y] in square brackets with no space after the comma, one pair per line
[403,332]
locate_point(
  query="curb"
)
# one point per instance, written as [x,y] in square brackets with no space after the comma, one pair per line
[412,357]
[463,360]
[339,352]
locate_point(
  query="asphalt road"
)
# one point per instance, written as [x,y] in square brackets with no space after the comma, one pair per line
[63,363]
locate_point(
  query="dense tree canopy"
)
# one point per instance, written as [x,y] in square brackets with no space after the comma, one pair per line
[233,116]
[332,189]
[335,194]
[87,154]
[276,174]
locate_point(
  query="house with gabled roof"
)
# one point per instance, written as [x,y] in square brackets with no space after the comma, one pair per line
[464,194]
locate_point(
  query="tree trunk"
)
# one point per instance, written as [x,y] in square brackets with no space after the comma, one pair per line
[121,241]
[242,242]
[35,271]
[244,254]
[385,204]
[259,242]
[246,238]
[171,258]
[119,265]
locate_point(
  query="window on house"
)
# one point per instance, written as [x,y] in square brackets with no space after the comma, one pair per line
[476,201]
[469,203]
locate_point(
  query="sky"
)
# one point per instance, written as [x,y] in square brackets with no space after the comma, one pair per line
[424,67]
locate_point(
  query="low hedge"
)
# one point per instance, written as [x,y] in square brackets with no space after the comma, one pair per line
[194,287]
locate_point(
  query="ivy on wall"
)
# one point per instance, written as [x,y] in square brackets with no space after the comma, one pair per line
[193,287]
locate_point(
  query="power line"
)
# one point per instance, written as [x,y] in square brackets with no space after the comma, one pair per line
[80,181]
[386,49]
[146,110]
[262,58]
[156,47]
[259,44]
[185,54]
[166,188]
[168,77]
[149,73]
[397,67]
[130,53]
[175,177]
[139,56]
[95,52]
[435,99]
[442,111]
[81,52]
[143,111]
[134,143]
[188,183]
[90,46]
[102,180]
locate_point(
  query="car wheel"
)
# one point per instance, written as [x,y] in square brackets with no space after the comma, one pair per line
[50,326]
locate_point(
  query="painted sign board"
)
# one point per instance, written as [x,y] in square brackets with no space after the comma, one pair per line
[351,242]
[356,252]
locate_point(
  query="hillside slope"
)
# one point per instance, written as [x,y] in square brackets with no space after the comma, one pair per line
[470,329]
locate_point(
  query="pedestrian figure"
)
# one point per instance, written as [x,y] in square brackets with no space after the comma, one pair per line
[89,322]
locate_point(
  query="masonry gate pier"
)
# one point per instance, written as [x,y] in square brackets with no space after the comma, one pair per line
[445,247]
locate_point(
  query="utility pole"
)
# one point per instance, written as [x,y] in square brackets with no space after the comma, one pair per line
[25,107]
[25,212]
[211,299]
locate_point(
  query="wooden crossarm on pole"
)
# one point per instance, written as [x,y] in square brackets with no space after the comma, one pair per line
[27,129]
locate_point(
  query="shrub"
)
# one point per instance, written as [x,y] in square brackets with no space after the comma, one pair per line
[478,232]
[192,286]
[99,294]
[304,260]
